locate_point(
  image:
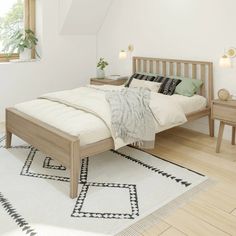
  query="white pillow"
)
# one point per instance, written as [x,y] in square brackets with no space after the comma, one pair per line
[153,86]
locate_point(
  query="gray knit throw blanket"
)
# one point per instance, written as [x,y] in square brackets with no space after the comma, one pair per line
[131,116]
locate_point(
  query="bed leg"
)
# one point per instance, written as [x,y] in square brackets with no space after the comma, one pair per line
[74,169]
[211,126]
[8,139]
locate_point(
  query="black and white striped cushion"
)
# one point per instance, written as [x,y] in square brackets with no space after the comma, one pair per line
[159,79]
[140,77]
[168,85]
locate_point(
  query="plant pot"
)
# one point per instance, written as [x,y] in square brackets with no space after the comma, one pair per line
[100,74]
[26,55]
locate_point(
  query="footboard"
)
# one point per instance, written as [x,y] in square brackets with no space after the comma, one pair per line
[63,147]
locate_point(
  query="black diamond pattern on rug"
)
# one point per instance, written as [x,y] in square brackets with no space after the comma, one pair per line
[29,161]
[78,210]
[48,165]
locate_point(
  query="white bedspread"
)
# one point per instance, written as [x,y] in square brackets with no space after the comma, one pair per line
[190,104]
[84,112]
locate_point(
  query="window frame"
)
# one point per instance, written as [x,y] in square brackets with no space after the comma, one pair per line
[29,23]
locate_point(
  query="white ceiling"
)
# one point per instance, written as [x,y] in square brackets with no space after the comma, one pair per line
[82,17]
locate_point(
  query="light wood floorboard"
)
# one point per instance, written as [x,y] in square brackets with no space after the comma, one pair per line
[157,229]
[172,231]
[234,212]
[192,225]
[213,211]
[220,219]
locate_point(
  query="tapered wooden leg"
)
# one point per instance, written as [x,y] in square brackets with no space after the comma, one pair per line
[8,139]
[220,135]
[211,126]
[74,169]
[233,135]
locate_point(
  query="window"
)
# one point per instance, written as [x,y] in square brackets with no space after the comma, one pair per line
[15,15]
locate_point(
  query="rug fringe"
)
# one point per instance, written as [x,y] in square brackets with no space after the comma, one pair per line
[154,218]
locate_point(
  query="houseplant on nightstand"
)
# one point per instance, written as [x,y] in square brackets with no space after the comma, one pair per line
[102,64]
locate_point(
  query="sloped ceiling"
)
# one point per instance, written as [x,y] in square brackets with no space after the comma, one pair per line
[82,17]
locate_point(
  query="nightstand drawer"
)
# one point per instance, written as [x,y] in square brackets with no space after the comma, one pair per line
[96,83]
[226,113]
[118,82]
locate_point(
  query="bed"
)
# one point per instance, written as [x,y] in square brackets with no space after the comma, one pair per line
[67,147]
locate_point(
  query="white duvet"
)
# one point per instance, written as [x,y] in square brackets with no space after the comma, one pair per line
[85,112]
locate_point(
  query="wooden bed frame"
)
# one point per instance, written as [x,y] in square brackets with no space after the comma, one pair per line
[66,148]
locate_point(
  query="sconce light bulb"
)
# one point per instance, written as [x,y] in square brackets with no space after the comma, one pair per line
[225,62]
[122,54]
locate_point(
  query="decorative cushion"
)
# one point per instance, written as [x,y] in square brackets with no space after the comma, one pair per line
[188,87]
[147,73]
[154,87]
[159,79]
[140,76]
[168,85]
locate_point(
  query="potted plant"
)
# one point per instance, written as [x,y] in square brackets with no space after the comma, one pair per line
[102,64]
[22,43]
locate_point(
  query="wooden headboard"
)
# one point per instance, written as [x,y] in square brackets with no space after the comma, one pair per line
[171,67]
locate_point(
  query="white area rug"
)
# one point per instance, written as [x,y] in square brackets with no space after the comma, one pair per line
[118,188]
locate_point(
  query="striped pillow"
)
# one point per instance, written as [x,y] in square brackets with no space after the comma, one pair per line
[140,76]
[159,79]
[168,85]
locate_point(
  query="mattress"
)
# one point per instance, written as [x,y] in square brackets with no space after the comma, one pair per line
[87,127]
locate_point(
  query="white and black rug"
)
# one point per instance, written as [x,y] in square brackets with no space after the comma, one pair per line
[117,189]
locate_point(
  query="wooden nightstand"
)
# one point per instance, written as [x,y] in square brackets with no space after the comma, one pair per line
[95,81]
[225,111]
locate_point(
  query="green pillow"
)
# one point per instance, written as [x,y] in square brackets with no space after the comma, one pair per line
[188,87]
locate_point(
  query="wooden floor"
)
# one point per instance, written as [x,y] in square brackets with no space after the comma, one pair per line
[211,212]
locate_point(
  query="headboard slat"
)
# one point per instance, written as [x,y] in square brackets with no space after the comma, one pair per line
[151,67]
[169,67]
[186,70]
[203,78]
[144,65]
[139,66]
[194,71]
[157,67]
[134,66]
[178,69]
[164,68]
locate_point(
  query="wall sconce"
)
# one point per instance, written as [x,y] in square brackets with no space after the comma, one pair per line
[123,54]
[231,53]
[130,48]
[225,61]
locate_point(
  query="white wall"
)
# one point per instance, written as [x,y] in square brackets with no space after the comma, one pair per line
[181,29]
[84,16]
[67,62]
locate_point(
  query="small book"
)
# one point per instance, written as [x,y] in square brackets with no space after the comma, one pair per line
[116,77]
